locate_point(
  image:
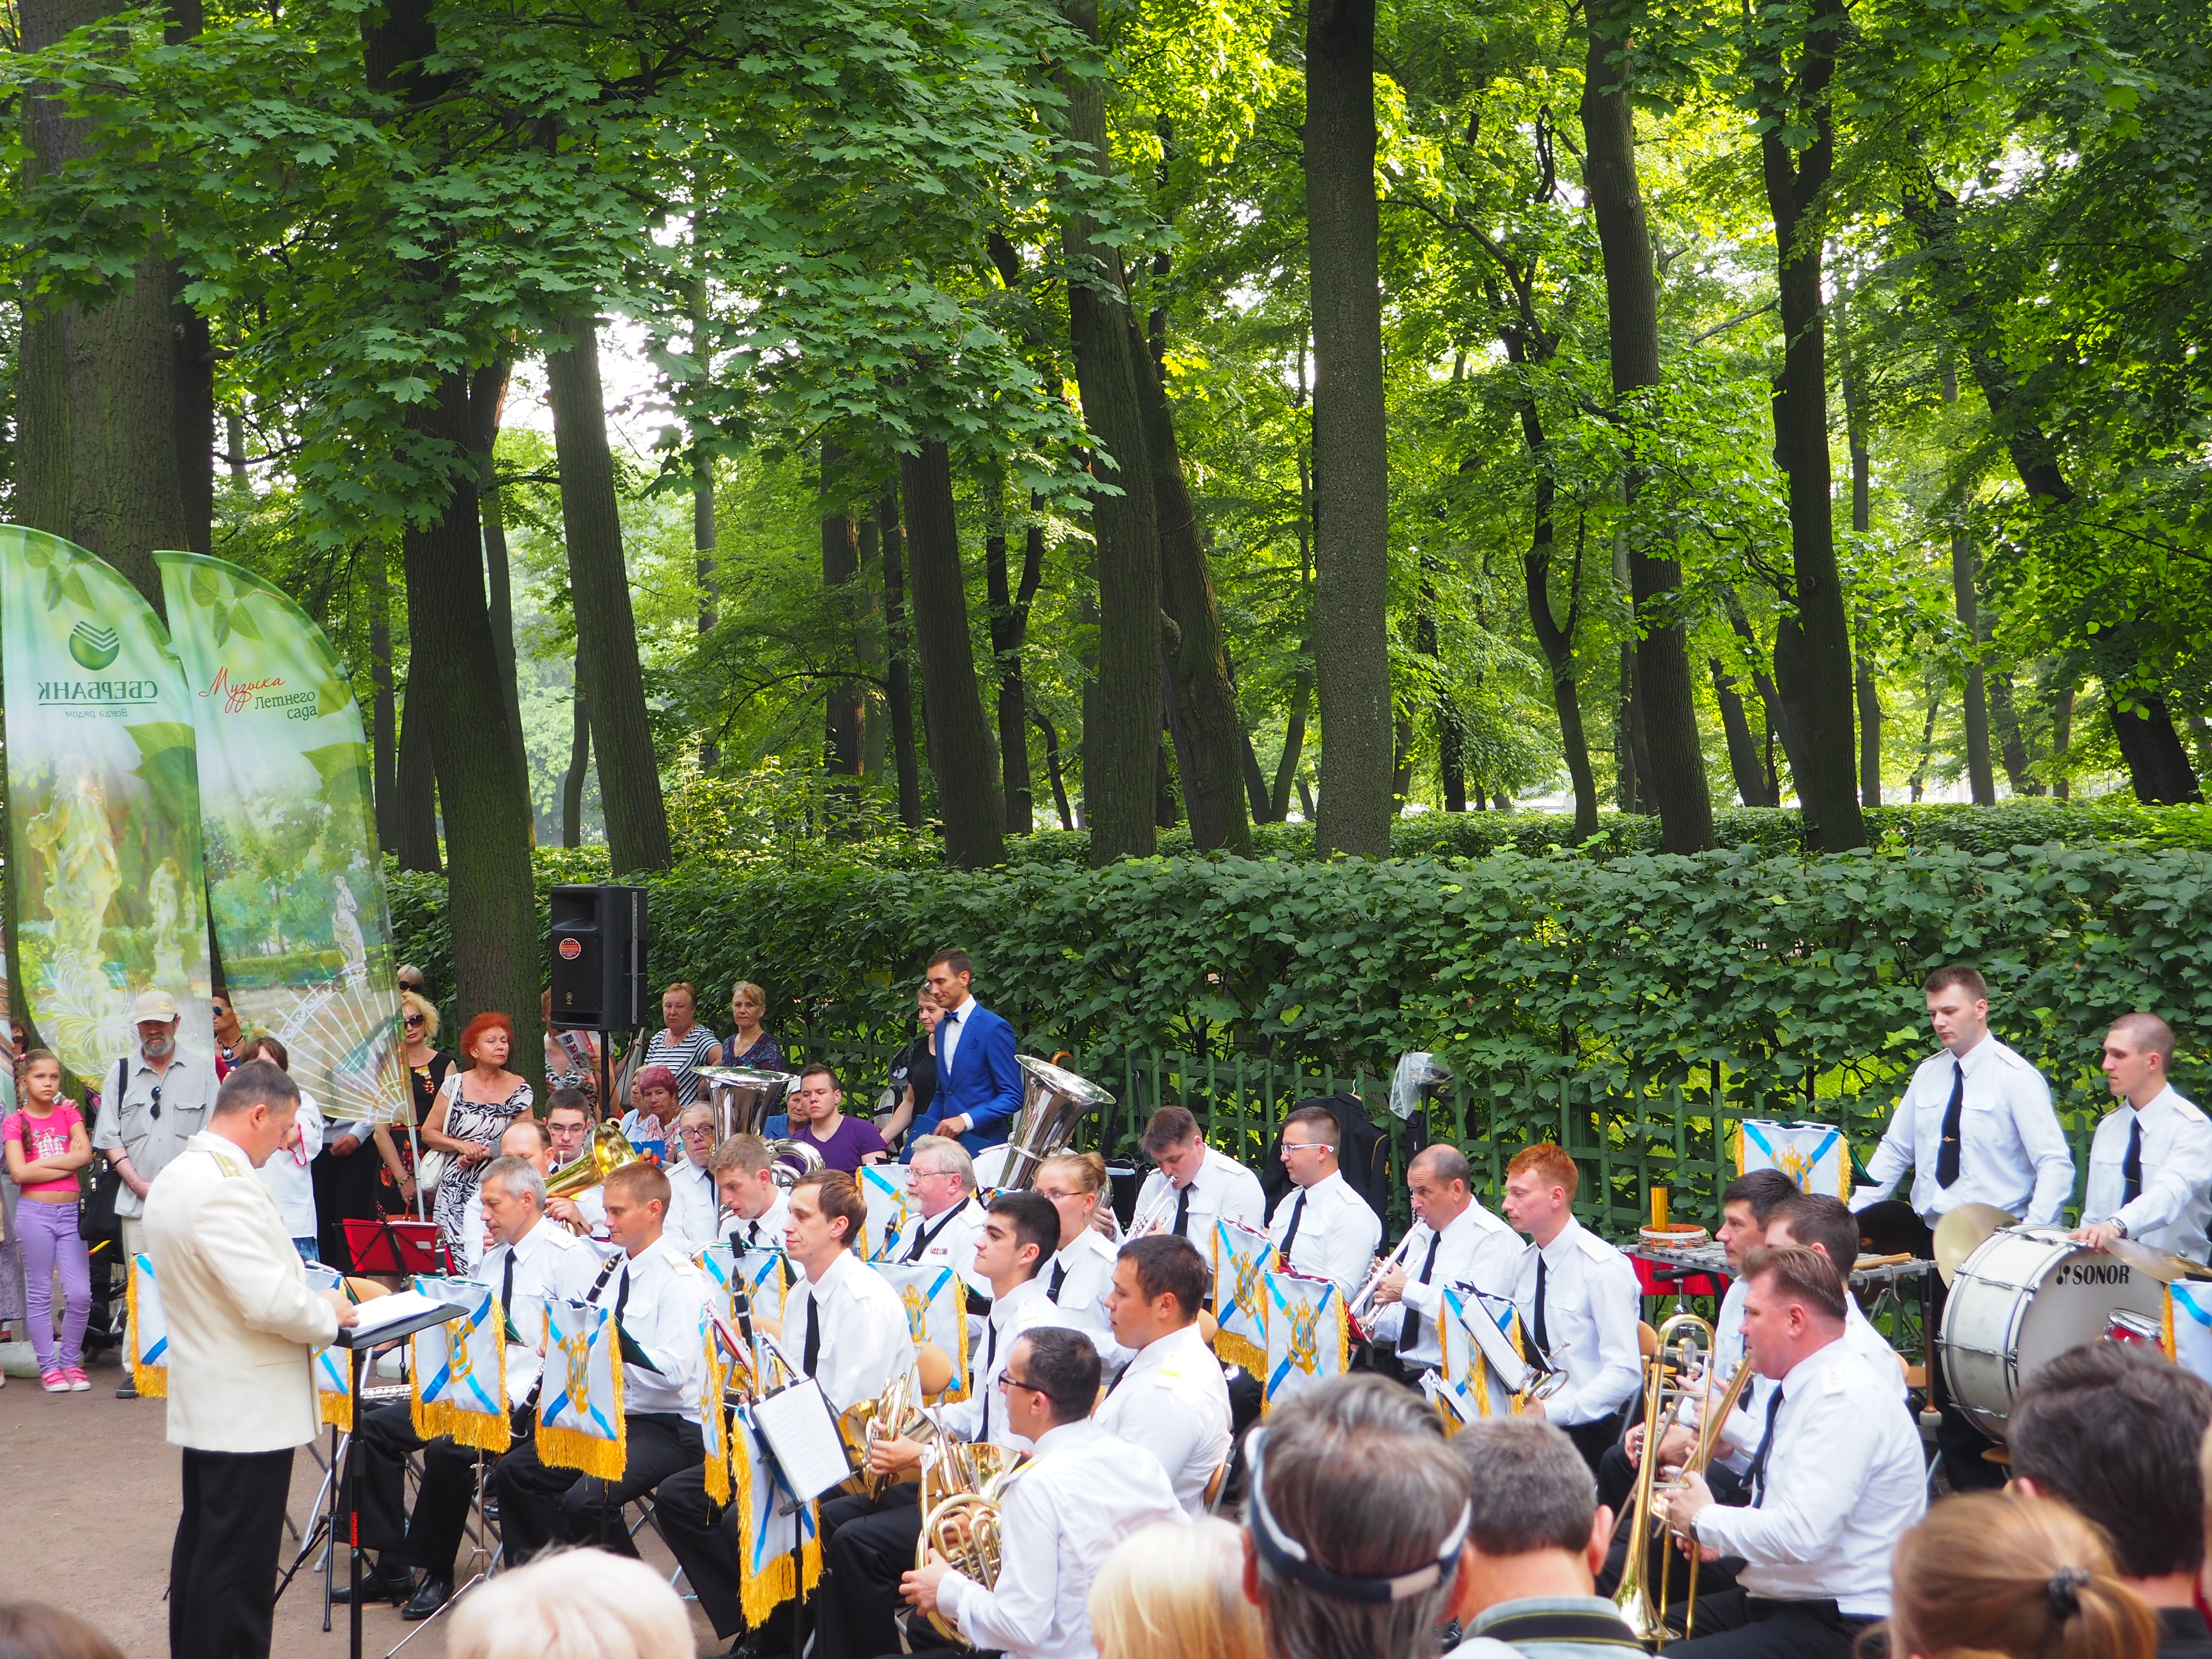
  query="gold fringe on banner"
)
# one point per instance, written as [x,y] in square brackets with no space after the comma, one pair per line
[151,1381]
[572,1449]
[1236,1350]
[2164,1335]
[718,1468]
[336,1409]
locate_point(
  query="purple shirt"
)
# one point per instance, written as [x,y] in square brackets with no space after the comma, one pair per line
[854,1139]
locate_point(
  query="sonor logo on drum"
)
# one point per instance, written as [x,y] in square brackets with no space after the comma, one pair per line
[2083,1273]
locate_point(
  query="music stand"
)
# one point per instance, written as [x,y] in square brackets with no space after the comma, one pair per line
[360,1347]
[398,1247]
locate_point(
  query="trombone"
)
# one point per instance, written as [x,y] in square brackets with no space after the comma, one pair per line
[1685,1348]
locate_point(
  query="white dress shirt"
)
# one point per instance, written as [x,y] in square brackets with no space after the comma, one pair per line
[945,1240]
[2169,1213]
[550,1262]
[1739,1436]
[1083,1271]
[1059,1518]
[1592,1302]
[982,1414]
[1474,1247]
[1173,1400]
[694,1206]
[764,1231]
[2012,1151]
[948,1038]
[1223,1189]
[662,1294]
[1338,1235]
[287,1176]
[1845,1481]
[866,1340]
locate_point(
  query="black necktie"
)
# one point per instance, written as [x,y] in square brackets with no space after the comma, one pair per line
[990,1382]
[1297,1214]
[1183,1216]
[2131,1166]
[812,1356]
[1543,1332]
[1946,1160]
[1118,1376]
[925,1237]
[1059,1279]
[507,1284]
[1755,1477]
[1409,1332]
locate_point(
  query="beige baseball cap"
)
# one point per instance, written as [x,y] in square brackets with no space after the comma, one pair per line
[154,1005]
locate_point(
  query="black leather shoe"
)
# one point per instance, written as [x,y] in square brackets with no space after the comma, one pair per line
[433,1594]
[376,1585]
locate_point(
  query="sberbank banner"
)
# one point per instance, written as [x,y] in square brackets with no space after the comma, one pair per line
[294,875]
[103,802]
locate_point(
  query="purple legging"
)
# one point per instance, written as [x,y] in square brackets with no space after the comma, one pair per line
[49,1236]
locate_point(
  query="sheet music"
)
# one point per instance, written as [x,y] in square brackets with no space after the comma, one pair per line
[382,1312]
[801,1431]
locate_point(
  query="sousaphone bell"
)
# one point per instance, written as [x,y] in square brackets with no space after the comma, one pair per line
[743,1098]
[1054,1101]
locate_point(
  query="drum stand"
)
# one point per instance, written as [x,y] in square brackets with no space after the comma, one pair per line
[321,1524]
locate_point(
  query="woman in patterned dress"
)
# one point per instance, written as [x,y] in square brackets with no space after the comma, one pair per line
[683,1045]
[751,1045]
[473,1110]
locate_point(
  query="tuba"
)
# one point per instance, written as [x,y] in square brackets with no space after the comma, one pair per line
[794,1161]
[960,1491]
[744,1098]
[1053,1102]
[603,1154]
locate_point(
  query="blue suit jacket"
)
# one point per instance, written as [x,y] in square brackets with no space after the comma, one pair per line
[985,1083]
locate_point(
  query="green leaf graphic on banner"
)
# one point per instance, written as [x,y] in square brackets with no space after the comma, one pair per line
[168,764]
[242,622]
[206,588]
[344,768]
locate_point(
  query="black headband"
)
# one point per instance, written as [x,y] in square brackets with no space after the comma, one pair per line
[1287,1558]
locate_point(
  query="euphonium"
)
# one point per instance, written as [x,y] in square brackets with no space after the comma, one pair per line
[892,1415]
[606,1151]
[1667,1391]
[960,1492]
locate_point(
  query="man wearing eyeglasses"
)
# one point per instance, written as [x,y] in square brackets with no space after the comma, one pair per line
[152,1102]
[694,1206]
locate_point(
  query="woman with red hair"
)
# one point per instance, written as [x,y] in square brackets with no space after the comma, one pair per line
[473,1110]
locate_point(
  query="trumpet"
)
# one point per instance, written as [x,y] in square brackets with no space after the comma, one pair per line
[961,1488]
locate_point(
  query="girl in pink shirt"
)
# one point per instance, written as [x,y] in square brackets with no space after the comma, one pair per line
[45,1146]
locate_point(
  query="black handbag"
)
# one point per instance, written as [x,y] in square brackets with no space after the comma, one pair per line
[96,1220]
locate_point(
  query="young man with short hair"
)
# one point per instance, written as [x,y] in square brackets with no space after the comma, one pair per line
[659,1296]
[1826,1223]
[843,1325]
[1322,1228]
[1171,1399]
[1578,1299]
[979,1084]
[1193,1185]
[753,1204]
[845,1143]
[2150,1164]
[2114,1432]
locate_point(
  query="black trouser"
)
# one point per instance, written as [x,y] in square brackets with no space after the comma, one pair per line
[1959,1442]
[1736,1625]
[540,1505]
[1616,1486]
[1592,1440]
[868,1546]
[222,1568]
[431,1539]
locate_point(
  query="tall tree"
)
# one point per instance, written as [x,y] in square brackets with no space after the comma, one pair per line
[416,819]
[487,408]
[959,742]
[1010,601]
[1120,736]
[1665,696]
[606,630]
[384,720]
[840,564]
[1793,102]
[898,684]
[1851,375]
[1351,449]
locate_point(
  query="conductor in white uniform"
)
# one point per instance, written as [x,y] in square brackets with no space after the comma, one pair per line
[243,1329]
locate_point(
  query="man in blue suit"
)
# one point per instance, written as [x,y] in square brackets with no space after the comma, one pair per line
[979,1087]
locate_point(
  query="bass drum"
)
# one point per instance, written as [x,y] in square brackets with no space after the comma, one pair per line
[2025,1295]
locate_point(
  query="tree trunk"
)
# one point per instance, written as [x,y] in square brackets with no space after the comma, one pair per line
[487,404]
[2062,740]
[1855,432]
[191,398]
[1794,184]
[417,788]
[1350,450]
[1965,568]
[702,488]
[1556,641]
[579,761]
[1781,718]
[1167,811]
[1052,770]
[1255,782]
[1743,749]
[898,684]
[606,630]
[1010,626]
[483,783]
[1927,743]
[2012,743]
[959,742]
[384,759]
[1121,726]
[841,702]
[1664,694]
[1207,732]
[1869,695]
[1294,735]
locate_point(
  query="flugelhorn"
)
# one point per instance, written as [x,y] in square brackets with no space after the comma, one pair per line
[961,1486]
[1053,1102]
[604,1152]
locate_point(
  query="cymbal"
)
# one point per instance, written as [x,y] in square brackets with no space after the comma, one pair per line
[1960,1233]
[2161,1265]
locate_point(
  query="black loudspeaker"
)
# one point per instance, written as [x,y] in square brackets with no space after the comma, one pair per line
[600,979]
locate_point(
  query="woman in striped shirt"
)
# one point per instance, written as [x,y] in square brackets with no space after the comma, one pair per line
[684,1045]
